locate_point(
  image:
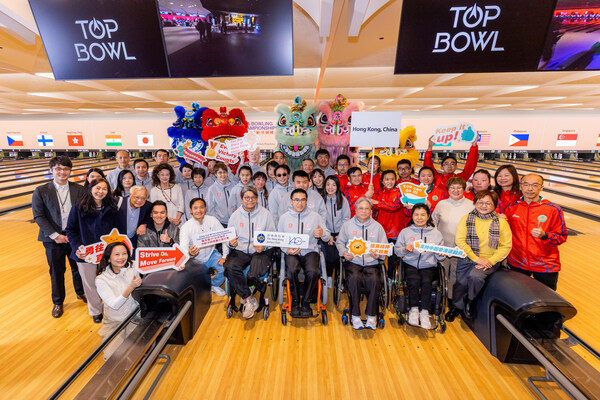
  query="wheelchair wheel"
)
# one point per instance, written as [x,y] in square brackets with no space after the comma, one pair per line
[381,323]
[324,317]
[345,319]
[274,283]
[283,318]
[443,326]
[336,286]
[229,312]
[401,319]
[266,312]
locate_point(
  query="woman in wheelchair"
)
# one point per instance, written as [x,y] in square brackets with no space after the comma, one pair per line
[300,219]
[363,271]
[419,268]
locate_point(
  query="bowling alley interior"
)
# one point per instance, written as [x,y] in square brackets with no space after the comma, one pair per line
[457,90]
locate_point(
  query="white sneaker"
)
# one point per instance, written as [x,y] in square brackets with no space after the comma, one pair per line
[425,321]
[371,322]
[413,316]
[330,282]
[218,291]
[357,322]
[249,308]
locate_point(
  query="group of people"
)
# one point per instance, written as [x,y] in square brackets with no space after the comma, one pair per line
[507,223]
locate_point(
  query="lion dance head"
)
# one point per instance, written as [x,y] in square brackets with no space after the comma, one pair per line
[406,150]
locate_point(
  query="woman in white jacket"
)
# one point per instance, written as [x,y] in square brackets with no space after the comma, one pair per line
[207,255]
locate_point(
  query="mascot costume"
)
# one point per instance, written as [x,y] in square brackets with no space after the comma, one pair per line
[406,150]
[199,134]
[334,127]
[296,132]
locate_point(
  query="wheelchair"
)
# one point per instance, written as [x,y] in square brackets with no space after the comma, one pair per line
[270,280]
[399,297]
[339,288]
[285,292]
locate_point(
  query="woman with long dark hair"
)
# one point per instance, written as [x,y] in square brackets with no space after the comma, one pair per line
[317,178]
[93,173]
[506,186]
[338,212]
[95,215]
[259,179]
[125,181]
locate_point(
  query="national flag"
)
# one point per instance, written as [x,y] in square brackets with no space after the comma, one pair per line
[484,139]
[113,140]
[598,140]
[75,140]
[145,140]
[518,139]
[45,140]
[15,140]
[566,140]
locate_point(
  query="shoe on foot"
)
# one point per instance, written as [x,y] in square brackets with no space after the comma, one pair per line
[330,282]
[468,311]
[357,322]
[97,318]
[452,314]
[57,310]
[296,312]
[218,291]
[424,318]
[371,322]
[306,311]
[413,316]
[249,308]
[82,297]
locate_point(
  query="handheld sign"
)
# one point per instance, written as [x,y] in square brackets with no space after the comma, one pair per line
[281,239]
[541,218]
[358,247]
[191,153]
[443,250]
[412,193]
[153,259]
[93,252]
[375,129]
[218,151]
[446,135]
[220,236]
[238,145]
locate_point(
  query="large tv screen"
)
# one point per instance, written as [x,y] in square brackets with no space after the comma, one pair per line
[573,38]
[442,36]
[114,39]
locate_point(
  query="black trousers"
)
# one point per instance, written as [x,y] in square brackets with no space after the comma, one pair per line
[310,263]
[332,256]
[56,253]
[236,263]
[393,261]
[549,279]
[367,278]
[419,280]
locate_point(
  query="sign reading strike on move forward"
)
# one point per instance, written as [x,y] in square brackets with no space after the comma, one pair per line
[281,239]
[209,238]
[153,259]
[358,247]
[446,135]
[443,250]
[375,129]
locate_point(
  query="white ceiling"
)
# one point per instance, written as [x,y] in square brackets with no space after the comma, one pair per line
[358,67]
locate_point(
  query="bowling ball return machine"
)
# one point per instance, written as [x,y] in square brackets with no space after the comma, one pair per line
[520,320]
[172,305]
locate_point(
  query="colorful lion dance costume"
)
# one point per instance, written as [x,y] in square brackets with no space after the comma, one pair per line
[186,134]
[334,125]
[296,132]
[406,150]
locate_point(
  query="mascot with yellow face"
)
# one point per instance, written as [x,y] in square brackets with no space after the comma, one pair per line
[406,150]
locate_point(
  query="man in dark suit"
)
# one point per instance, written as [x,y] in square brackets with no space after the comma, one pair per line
[135,211]
[51,204]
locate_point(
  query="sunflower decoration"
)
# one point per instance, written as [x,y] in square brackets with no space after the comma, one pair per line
[357,246]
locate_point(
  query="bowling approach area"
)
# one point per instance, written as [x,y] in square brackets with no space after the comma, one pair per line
[250,359]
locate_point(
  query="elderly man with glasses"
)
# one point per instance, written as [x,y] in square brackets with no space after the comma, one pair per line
[135,210]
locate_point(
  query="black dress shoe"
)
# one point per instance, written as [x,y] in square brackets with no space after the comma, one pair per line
[57,310]
[306,311]
[452,314]
[296,313]
[82,297]
[97,318]
[468,309]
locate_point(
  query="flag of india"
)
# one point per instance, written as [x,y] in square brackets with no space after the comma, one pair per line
[113,140]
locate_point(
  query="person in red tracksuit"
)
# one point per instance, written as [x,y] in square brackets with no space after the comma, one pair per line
[356,188]
[506,185]
[481,181]
[449,164]
[405,171]
[366,179]
[391,213]
[342,163]
[434,193]
[538,228]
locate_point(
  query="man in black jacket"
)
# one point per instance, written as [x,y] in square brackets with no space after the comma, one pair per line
[135,211]
[51,204]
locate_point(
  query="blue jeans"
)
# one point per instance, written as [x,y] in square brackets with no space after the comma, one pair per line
[219,278]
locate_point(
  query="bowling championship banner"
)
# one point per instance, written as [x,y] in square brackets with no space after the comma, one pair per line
[460,36]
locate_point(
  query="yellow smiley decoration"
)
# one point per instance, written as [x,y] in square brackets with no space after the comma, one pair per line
[357,246]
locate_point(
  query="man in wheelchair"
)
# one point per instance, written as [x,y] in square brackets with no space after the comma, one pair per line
[362,272]
[300,219]
[247,219]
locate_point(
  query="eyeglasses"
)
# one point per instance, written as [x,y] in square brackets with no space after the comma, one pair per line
[249,198]
[526,185]
[484,203]
[62,169]
[140,198]
[281,175]
[299,200]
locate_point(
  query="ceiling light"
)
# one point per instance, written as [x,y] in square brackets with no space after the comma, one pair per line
[49,75]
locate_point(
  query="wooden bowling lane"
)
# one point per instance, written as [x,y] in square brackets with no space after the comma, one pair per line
[236,359]
[584,176]
[41,166]
[26,172]
[575,165]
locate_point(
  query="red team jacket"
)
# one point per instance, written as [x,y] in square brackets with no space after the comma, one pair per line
[507,198]
[441,178]
[528,252]
[376,180]
[343,181]
[391,211]
[354,193]
[435,195]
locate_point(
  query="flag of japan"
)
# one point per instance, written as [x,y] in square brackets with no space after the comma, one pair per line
[145,140]
[566,140]
[75,140]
